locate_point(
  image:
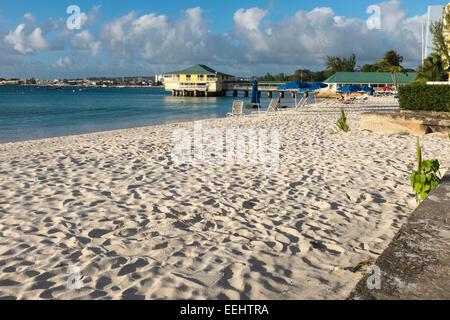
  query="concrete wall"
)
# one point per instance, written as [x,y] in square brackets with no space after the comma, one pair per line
[413,122]
[416,265]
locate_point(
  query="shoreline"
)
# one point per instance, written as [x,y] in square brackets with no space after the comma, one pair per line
[111,131]
[348,108]
[76,86]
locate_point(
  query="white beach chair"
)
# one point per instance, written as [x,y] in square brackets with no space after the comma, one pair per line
[273,106]
[301,104]
[237,110]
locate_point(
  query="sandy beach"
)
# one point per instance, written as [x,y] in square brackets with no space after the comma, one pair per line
[139,226]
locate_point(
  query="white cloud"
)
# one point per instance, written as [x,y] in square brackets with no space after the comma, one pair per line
[37,41]
[85,41]
[27,38]
[307,37]
[247,28]
[254,42]
[63,62]
[29,17]
[158,39]
[90,18]
[17,39]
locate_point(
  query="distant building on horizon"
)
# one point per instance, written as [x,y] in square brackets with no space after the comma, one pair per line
[435,13]
[159,78]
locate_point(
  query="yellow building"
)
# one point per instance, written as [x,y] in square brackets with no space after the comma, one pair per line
[198,81]
[446,30]
[446,21]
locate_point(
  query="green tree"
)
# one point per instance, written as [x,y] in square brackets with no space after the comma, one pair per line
[440,42]
[337,64]
[321,76]
[391,62]
[267,77]
[301,75]
[370,68]
[433,69]
[281,77]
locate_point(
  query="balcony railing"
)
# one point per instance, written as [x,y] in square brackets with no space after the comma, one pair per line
[193,86]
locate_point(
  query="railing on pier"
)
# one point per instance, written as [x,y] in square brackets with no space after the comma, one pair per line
[193,86]
[247,86]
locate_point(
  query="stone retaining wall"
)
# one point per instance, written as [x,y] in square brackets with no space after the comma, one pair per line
[416,265]
[414,122]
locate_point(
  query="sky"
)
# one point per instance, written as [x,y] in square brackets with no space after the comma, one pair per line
[140,37]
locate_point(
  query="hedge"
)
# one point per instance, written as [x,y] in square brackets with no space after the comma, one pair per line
[425,97]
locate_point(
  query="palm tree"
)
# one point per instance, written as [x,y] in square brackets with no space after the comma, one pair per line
[440,42]
[433,69]
[391,63]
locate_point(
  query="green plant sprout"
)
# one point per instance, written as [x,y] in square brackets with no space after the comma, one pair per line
[342,122]
[426,177]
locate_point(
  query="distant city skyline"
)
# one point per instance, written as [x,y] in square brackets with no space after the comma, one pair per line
[243,38]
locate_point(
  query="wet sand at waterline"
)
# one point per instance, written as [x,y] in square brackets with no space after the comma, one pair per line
[139,226]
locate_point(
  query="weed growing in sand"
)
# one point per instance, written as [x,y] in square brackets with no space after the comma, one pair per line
[362,264]
[426,177]
[342,122]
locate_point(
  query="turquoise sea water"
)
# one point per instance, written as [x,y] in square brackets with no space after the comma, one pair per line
[28,113]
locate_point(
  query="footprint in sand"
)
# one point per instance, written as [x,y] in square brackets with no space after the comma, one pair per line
[98,233]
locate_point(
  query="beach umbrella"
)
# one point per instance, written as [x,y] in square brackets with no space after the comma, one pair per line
[367,89]
[255,93]
[313,86]
[320,84]
[370,90]
[295,85]
[386,89]
[349,88]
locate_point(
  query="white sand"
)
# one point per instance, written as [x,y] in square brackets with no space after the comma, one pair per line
[139,226]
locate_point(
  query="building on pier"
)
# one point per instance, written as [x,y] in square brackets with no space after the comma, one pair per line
[198,81]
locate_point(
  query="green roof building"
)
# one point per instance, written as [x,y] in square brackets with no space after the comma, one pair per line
[199,69]
[371,79]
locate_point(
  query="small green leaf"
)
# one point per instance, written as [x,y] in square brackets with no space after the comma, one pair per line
[434,185]
[424,195]
[422,178]
[417,188]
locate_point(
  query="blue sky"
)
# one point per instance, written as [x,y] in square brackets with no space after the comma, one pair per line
[246,37]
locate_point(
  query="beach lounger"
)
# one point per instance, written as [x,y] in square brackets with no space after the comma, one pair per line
[237,110]
[301,104]
[273,106]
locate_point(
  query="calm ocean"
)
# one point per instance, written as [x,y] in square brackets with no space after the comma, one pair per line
[28,113]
